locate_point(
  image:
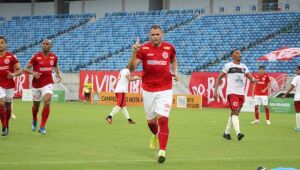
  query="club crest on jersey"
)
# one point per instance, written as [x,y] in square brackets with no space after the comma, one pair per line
[165,55]
[263,79]
[51,62]
[6,61]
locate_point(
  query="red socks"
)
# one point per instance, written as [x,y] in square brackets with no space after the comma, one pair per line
[8,114]
[3,116]
[153,127]
[256,113]
[34,113]
[45,114]
[267,113]
[163,133]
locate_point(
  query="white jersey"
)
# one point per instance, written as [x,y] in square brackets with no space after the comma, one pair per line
[122,85]
[296,83]
[235,78]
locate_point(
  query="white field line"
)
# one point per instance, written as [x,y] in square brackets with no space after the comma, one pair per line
[141,161]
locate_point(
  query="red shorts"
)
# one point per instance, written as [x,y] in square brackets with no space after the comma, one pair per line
[235,101]
[121,99]
[297,106]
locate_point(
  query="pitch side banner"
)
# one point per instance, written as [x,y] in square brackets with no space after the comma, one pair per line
[21,82]
[106,81]
[136,99]
[202,83]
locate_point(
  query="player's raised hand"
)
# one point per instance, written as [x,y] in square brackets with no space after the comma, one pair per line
[136,46]
[36,75]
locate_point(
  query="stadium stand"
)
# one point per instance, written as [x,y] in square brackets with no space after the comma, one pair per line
[203,42]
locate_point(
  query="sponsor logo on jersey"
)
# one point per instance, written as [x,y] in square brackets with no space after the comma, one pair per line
[150,54]
[38,58]
[165,55]
[4,68]
[52,57]
[145,48]
[6,61]
[156,62]
[46,69]
[167,48]
[9,56]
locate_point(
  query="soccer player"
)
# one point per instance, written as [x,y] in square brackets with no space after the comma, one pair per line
[260,94]
[42,83]
[87,91]
[9,68]
[235,71]
[156,57]
[296,83]
[121,89]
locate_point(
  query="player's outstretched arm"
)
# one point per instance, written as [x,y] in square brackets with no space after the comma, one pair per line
[17,71]
[221,75]
[133,61]
[174,68]
[29,71]
[56,69]
[133,78]
[251,78]
[288,92]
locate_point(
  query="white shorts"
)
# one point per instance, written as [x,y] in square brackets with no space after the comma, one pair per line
[261,100]
[39,93]
[7,94]
[157,103]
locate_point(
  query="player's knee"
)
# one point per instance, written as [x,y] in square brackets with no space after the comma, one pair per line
[152,121]
[235,112]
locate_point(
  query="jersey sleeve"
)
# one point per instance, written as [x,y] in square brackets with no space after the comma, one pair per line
[55,61]
[294,82]
[15,60]
[173,53]
[32,60]
[268,80]
[125,72]
[139,54]
[225,68]
[246,69]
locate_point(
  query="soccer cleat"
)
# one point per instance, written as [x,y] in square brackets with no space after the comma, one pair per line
[4,131]
[131,122]
[240,136]
[109,119]
[33,126]
[227,136]
[297,129]
[42,131]
[268,122]
[256,121]
[161,156]
[13,116]
[153,142]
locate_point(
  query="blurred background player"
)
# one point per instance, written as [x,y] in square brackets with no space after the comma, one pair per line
[260,94]
[156,57]
[296,83]
[87,91]
[235,71]
[121,89]
[42,82]
[9,68]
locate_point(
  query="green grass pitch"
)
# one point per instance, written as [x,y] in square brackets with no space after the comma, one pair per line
[79,138]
